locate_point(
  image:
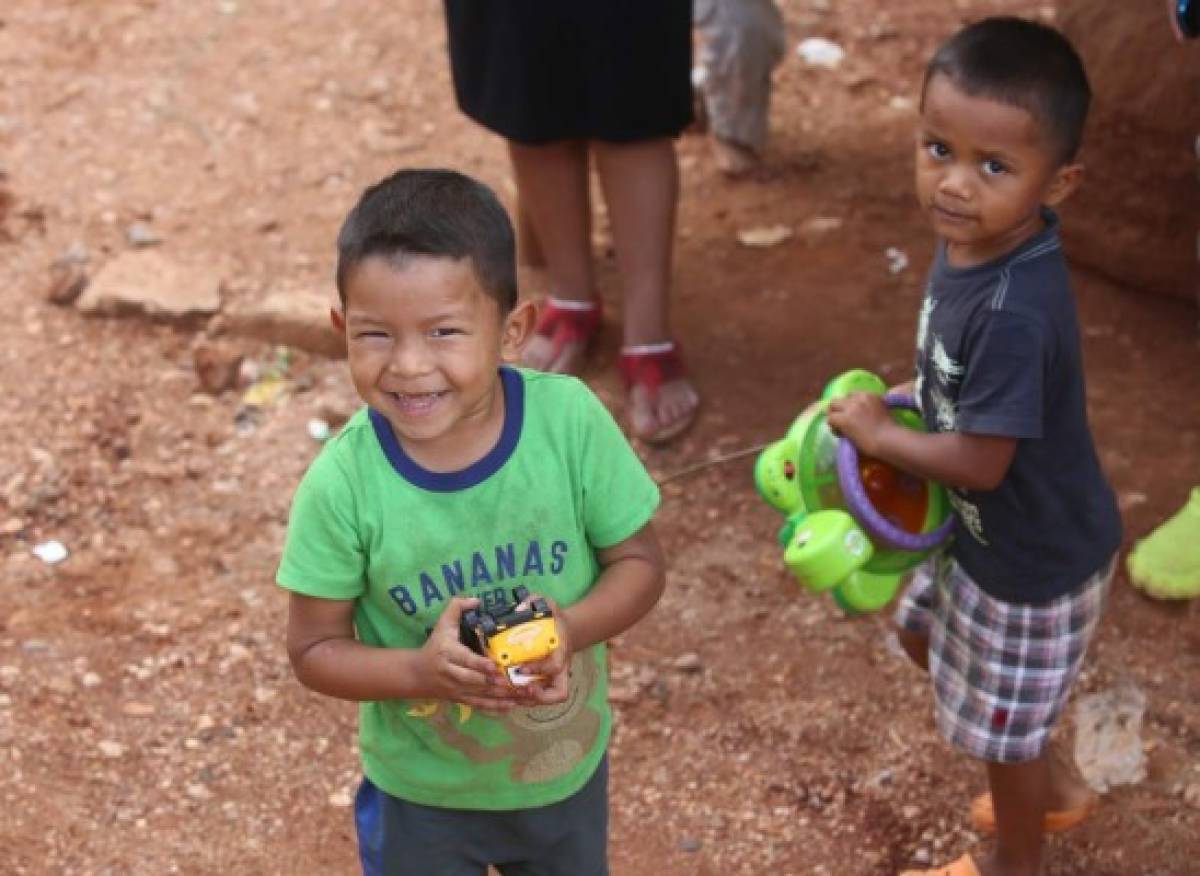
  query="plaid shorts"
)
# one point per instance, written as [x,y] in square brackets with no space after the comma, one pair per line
[1001,672]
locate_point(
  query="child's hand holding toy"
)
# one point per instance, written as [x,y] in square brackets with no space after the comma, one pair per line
[449,670]
[861,417]
[854,526]
[551,674]
[524,641]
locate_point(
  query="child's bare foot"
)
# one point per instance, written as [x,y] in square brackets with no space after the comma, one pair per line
[1068,791]
[541,355]
[659,419]
[564,330]
[662,400]
[733,159]
[1070,802]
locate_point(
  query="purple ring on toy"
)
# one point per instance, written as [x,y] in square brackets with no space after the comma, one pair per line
[858,503]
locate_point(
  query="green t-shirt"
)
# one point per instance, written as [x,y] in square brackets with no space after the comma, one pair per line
[370,525]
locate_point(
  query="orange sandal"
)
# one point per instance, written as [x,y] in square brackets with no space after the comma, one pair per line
[650,366]
[983,815]
[566,321]
[964,866]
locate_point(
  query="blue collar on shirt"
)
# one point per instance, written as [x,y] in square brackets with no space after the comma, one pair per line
[478,471]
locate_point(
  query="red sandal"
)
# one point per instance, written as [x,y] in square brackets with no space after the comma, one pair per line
[650,366]
[566,321]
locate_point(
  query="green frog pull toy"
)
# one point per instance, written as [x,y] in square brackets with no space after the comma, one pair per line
[854,525]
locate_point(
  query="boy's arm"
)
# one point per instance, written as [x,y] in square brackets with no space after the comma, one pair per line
[956,459]
[632,578]
[631,581]
[327,658]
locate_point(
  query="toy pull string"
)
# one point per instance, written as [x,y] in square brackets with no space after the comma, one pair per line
[709,463]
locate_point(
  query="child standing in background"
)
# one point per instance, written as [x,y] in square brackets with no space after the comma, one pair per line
[1003,619]
[741,42]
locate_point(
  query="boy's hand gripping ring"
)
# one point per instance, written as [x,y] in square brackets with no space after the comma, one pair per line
[859,504]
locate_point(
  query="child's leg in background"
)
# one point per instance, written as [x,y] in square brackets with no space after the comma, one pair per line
[552,181]
[531,261]
[640,182]
[741,42]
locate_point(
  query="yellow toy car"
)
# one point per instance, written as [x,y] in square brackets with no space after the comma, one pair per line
[512,636]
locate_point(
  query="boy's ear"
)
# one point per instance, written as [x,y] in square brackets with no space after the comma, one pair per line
[1063,184]
[337,318]
[518,329]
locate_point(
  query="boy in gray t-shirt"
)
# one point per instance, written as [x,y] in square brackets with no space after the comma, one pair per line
[1003,619]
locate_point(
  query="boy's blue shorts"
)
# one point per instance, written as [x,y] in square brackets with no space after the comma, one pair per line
[568,838]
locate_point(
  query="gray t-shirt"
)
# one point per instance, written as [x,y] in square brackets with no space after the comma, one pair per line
[998,353]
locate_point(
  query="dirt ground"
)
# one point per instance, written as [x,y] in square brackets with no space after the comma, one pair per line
[149,723]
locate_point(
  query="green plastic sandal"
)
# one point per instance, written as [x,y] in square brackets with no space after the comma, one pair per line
[1166,563]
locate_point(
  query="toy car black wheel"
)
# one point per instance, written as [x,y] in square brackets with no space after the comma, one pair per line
[466,630]
[488,624]
[540,606]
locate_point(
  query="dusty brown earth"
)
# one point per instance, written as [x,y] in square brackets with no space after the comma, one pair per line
[148,720]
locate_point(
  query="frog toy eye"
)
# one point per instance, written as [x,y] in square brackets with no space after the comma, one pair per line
[789,470]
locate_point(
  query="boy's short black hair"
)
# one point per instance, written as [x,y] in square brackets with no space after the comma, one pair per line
[438,213]
[1023,64]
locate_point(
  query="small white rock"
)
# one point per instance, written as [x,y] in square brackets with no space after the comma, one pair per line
[820,52]
[341,798]
[91,679]
[817,226]
[109,748]
[897,259]
[50,552]
[764,237]
[141,234]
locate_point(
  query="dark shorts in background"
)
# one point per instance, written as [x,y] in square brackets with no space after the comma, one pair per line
[535,71]
[570,838]
[1001,672]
